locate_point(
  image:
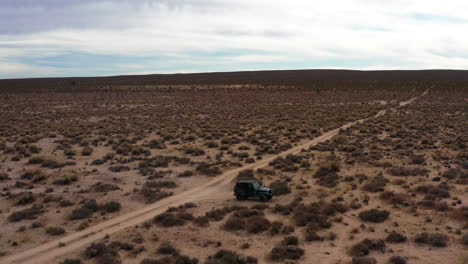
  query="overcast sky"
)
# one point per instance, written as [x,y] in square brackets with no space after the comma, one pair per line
[40,38]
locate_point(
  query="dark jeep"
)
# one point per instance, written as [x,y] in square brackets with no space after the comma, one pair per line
[251,188]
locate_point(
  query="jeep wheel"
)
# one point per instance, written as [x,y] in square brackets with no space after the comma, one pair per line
[263,197]
[241,197]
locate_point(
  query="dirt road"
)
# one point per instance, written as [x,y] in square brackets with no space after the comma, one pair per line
[47,252]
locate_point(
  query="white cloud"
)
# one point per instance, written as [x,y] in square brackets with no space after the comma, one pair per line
[381,34]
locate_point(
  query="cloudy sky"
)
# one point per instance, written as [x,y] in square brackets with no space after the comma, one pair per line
[41,38]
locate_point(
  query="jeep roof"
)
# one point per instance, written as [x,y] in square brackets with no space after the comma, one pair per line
[247,181]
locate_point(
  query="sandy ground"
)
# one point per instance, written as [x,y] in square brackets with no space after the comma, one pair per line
[205,192]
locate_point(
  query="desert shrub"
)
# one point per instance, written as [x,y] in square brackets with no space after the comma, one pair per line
[36,160]
[395,237]
[395,198]
[217,214]
[234,223]
[97,162]
[152,195]
[119,168]
[245,174]
[33,175]
[65,203]
[211,144]
[374,215]
[160,184]
[96,250]
[194,151]
[377,184]
[104,187]
[166,249]
[90,204]
[156,144]
[406,171]
[250,160]
[184,174]
[260,207]
[281,253]
[397,260]
[150,261]
[327,176]
[290,241]
[311,234]
[111,206]
[276,227]
[264,171]
[172,259]
[208,169]
[257,224]
[172,219]
[80,213]
[108,259]
[71,261]
[280,187]
[418,159]
[65,180]
[69,152]
[464,239]
[451,173]
[287,163]
[4,176]
[244,212]
[435,240]
[55,231]
[365,246]
[86,151]
[229,257]
[25,198]
[311,214]
[363,260]
[433,190]
[201,220]
[28,213]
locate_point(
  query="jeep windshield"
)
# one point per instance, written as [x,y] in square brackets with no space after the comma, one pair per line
[256,185]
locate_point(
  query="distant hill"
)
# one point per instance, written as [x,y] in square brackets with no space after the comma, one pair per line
[299,78]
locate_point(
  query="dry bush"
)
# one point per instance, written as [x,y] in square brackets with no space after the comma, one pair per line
[280,187]
[397,260]
[150,195]
[374,215]
[257,224]
[173,219]
[281,253]
[377,184]
[71,261]
[366,246]
[435,240]
[28,213]
[166,249]
[363,260]
[395,237]
[4,176]
[55,231]
[327,174]
[111,207]
[290,241]
[234,223]
[433,190]
[208,169]
[229,257]
[406,171]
